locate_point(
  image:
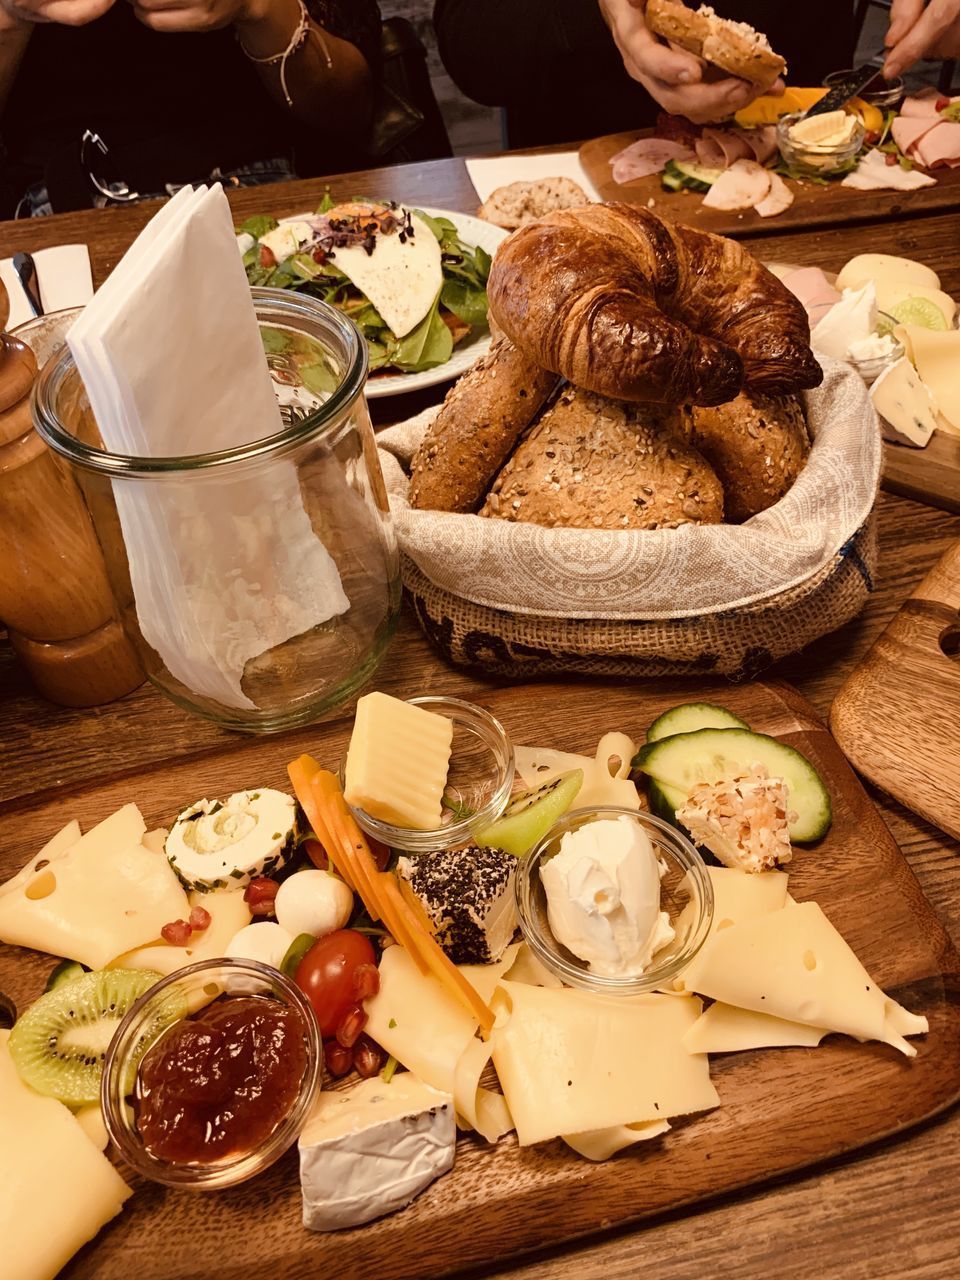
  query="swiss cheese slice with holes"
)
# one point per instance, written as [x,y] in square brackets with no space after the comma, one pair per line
[104,895]
[793,964]
[58,1189]
[606,776]
[737,896]
[569,1061]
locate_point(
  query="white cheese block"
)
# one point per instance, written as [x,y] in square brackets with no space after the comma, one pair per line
[369,1150]
[937,357]
[725,1029]
[104,895]
[417,1021]
[605,775]
[793,964]
[907,410]
[401,278]
[58,1189]
[569,1061]
[228,915]
[601,1144]
[885,270]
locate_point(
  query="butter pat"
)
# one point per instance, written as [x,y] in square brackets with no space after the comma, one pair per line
[907,410]
[397,762]
[367,1151]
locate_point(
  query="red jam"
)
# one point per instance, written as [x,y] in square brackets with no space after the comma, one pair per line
[217,1085]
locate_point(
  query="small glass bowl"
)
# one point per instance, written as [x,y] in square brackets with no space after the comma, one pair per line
[479,780]
[869,370]
[686,894]
[812,158]
[176,996]
[879,92]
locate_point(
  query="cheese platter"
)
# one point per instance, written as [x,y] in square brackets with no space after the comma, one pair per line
[779,1110]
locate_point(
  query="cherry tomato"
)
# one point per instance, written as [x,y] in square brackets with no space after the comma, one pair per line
[326,975]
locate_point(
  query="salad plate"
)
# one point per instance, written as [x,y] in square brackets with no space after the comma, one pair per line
[793,1109]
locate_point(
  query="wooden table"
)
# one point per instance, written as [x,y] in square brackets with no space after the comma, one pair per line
[892,1211]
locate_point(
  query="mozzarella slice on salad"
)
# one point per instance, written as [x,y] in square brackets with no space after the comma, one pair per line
[400,277]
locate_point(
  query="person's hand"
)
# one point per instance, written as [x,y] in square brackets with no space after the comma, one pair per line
[197,15]
[70,13]
[673,77]
[921,32]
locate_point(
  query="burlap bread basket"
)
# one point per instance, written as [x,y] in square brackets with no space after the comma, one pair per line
[512,598]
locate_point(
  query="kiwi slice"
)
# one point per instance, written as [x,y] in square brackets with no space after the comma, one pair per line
[530,815]
[59,1044]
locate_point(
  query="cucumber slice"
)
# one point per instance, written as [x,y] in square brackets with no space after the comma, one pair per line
[689,717]
[530,815]
[684,759]
[664,801]
[65,971]
[684,175]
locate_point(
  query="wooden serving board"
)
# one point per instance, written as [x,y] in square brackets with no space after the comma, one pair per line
[814,205]
[782,1110]
[930,475]
[898,715]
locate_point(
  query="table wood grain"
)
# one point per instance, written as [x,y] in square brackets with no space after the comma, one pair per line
[892,1212]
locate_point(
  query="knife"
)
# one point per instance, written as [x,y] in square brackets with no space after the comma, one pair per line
[841,94]
[26,269]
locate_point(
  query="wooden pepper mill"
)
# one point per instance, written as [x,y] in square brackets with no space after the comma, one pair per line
[55,600]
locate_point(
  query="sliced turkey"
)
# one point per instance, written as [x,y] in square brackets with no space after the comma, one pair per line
[762,141]
[874,174]
[646,157]
[777,200]
[744,185]
[812,287]
[720,148]
[907,130]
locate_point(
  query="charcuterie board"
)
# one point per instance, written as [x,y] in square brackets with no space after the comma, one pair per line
[814,204]
[780,1111]
[898,714]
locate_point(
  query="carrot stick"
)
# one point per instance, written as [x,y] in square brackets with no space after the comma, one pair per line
[301,772]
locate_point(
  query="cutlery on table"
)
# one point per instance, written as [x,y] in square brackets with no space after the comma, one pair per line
[26,269]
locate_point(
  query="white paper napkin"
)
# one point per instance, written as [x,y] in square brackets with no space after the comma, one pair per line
[489,172]
[224,563]
[65,281]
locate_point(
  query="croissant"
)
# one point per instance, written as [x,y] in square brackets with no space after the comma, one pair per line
[620,302]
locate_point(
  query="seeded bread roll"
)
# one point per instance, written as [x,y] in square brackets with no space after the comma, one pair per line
[519,202]
[479,422]
[733,46]
[756,445]
[592,463]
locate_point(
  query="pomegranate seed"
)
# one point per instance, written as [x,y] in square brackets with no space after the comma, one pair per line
[317,854]
[366,981]
[338,1059]
[351,1024]
[260,895]
[200,919]
[892,160]
[367,1057]
[941,104]
[177,933]
[267,257]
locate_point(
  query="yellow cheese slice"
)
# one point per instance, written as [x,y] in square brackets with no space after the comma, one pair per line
[527,968]
[936,356]
[569,1061]
[58,1189]
[90,1119]
[228,915]
[887,272]
[104,895]
[605,776]
[889,294]
[477,1107]
[794,964]
[601,1144]
[725,1029]
[737,895]
[55,847]
[417,1021]
[485,978]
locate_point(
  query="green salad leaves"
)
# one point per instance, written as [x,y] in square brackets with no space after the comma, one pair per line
[460,306]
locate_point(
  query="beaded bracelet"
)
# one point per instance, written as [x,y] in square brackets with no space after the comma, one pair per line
[297,40]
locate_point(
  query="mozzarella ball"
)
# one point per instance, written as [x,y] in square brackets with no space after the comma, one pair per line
[263,941]
[313,902]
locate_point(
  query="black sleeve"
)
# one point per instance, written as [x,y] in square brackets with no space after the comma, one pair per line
[355,20]
[501,51]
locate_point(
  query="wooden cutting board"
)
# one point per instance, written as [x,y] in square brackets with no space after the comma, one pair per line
[782,1110]
[814,205]
[898,715]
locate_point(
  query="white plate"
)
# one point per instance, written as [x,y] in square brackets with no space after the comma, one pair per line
[473,232]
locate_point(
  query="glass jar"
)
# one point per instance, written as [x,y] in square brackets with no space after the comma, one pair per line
[260,584]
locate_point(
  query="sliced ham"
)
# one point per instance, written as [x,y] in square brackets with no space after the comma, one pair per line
[645,157]
[907,130]
[744,185]
[874,174]
[777,200]
[761,141]
[922,105]
[812,287]
[941,145]
[720,148]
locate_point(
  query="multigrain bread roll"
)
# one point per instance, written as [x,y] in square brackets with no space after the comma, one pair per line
[757,447]
[620,302]
[519,202]
[591,463]
[480,421]
[733,46]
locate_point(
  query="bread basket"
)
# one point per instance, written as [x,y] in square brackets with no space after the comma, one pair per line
[514,599]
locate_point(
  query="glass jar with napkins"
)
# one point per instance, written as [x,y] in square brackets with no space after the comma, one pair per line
[225,451]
